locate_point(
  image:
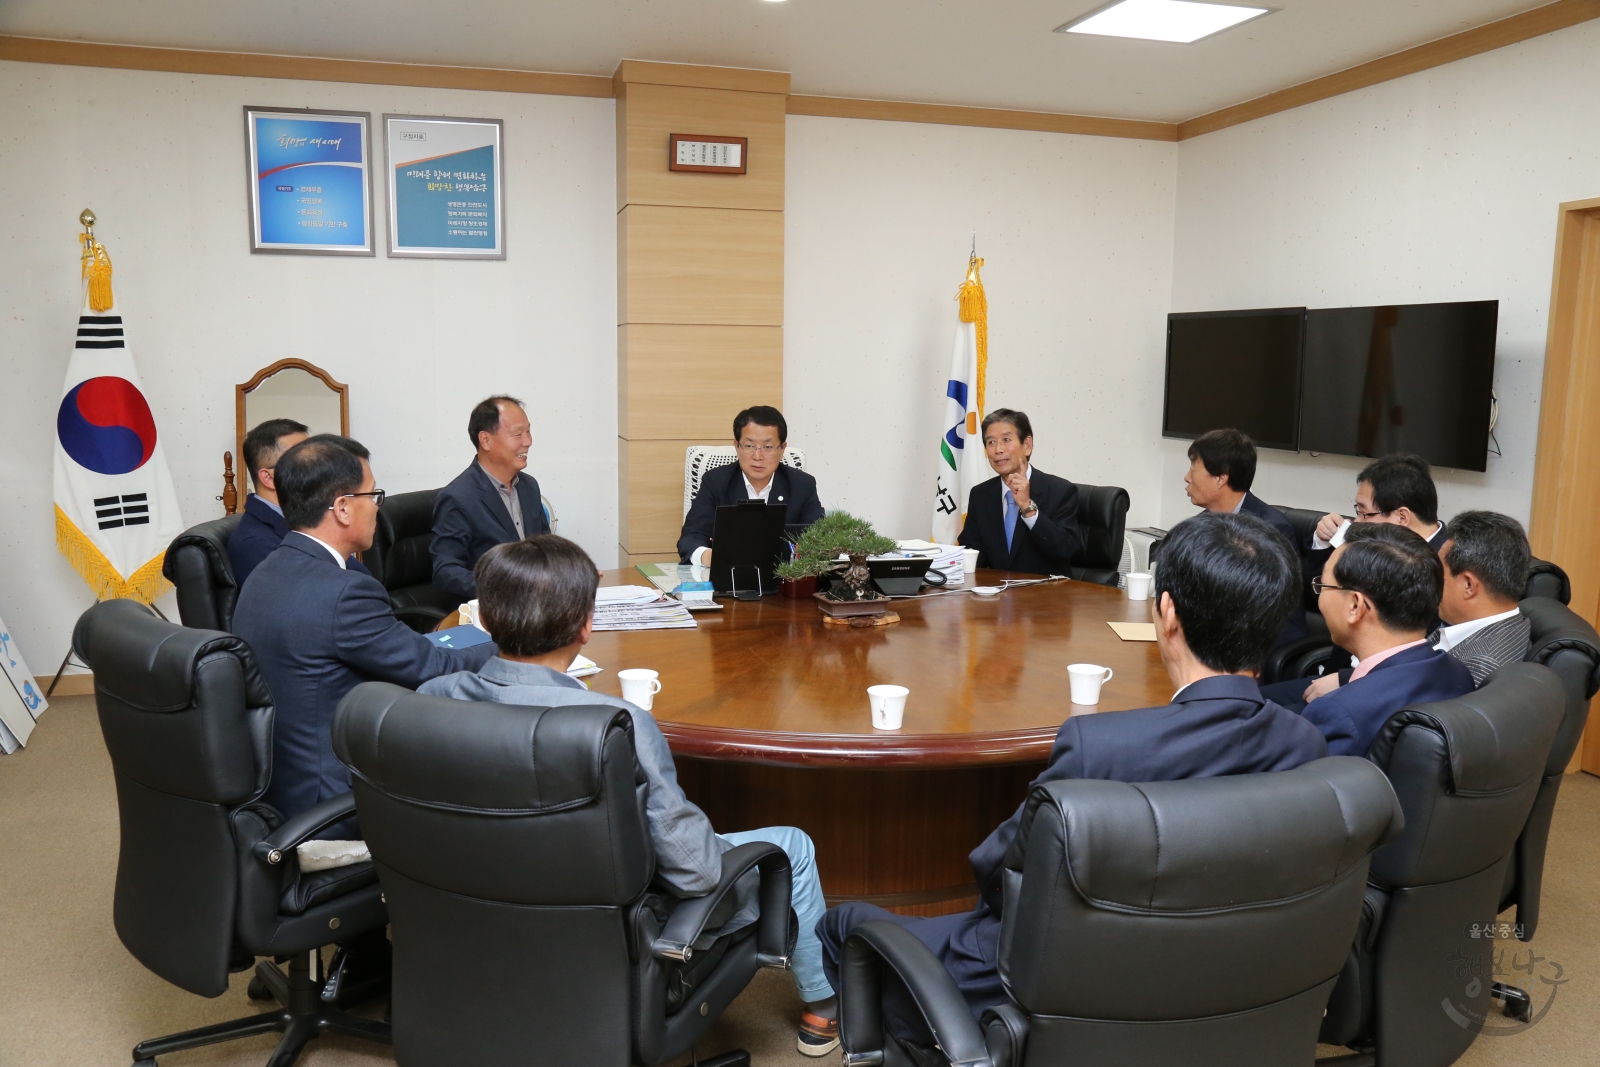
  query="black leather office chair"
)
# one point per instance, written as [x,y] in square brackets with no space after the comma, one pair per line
[514,852]
[1102,519]
[197,565]
[1548,580]
[401,560]
[1568,645]
[208,878]
[1199,922]
[1467,772]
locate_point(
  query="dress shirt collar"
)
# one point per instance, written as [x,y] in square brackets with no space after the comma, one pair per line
[1220,686]
[267,502]
[1363,667]
[510,672]
[334,552]
[496,482]
[1451,636]
[750,490]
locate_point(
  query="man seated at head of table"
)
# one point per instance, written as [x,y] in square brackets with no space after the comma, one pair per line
[761,437]
[1022,519]
[491,502]
[1380,592]
[536,599]
[1222,467]
[1223,588]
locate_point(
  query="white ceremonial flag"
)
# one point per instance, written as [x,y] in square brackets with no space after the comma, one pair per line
[961,461]
[116,510]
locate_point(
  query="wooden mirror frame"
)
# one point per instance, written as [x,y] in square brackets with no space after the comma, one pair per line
[240,391]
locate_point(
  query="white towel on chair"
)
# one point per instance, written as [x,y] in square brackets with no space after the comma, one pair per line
[324,855]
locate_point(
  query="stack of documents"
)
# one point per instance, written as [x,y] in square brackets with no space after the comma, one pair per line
[946,558]
[638,607]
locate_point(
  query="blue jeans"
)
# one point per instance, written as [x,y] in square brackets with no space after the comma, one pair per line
[805,898]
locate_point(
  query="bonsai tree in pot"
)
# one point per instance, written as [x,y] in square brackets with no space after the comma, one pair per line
[817,552]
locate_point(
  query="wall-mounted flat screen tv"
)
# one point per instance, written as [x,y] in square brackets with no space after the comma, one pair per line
[1400,378]
[1237,369]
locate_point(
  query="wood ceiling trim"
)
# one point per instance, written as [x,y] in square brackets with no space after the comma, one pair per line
[1468,43]
[994,118]
[300,68]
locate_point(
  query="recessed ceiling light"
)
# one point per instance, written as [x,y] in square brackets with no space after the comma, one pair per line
[1181,21]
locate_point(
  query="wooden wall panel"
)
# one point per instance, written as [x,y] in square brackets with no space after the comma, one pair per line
[651,473]
[676,381]
[710,266]
[651,114]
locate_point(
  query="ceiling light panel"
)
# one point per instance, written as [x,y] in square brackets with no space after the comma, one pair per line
[1179,21]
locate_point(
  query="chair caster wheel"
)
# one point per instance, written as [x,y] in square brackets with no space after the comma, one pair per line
[1517,1004]
[256,990]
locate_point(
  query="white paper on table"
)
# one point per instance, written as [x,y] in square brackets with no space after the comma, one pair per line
[582,667]
[626,594]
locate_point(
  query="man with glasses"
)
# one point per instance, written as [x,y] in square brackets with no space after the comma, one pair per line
[319,628]
[761,435]
[1395,489]
[1379,593]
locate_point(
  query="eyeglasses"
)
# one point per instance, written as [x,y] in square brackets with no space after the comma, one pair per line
[1368,514]
[1318,585]
[763,450]
[377,496]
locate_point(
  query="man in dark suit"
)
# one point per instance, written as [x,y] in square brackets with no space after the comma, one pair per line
[489,503]
[319,628]
[1222,590]
[1395,489]
[762,436]
[1222,468]
[1379,593]
[1023,519]
[261,529]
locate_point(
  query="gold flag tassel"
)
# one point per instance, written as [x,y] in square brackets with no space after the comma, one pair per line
[975,309]
[97,269]
[145,586]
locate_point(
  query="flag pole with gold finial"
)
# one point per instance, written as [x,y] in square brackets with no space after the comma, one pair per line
[96,264]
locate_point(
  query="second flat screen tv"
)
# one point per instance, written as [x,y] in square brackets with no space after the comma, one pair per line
[1238,369]
[1401,378]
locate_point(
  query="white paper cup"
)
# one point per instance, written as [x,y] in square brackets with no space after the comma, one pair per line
[1140,584]
[1087,678]
[640,686]
[969,566]
[888,705]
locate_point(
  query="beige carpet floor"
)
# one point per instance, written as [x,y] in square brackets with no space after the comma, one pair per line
[70,995]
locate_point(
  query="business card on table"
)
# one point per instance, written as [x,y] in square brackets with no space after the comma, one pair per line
[1134,631]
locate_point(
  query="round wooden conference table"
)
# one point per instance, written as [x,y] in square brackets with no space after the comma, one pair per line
[766,711]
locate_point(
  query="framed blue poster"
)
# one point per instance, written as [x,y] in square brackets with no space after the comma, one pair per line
[445,187]
[310,190]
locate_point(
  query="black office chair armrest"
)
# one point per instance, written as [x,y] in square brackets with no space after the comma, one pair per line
[420,617]
[774,943]
[878,942]
[299,828]
[1005,1034]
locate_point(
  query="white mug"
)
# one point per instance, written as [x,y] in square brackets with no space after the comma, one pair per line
[888,705]
[640,686]
[1087,678]
[1139,585]
[969,567]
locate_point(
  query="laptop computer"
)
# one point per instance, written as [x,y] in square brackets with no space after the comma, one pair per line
[747,543]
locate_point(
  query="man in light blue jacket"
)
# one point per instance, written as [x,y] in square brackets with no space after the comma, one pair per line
[536,598]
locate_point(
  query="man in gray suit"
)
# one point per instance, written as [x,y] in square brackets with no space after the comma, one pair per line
[1486,560]
[536,598]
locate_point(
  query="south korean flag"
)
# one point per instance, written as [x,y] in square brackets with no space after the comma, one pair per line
[116,509]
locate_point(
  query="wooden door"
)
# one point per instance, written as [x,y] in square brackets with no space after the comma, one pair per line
[1565,526]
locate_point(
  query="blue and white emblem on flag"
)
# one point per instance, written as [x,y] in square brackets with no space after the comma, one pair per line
[961,463]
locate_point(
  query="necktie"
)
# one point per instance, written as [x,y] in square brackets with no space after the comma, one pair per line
[1011,518]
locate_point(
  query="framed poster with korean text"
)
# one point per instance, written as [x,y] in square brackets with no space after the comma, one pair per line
[445,187]
[310,190]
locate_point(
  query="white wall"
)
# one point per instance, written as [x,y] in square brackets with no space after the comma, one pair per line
[879,219]
[1439,186]
[160,158]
